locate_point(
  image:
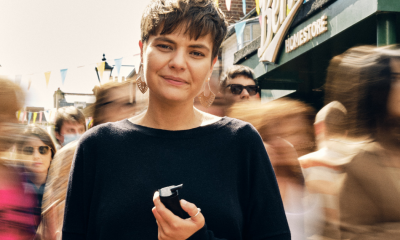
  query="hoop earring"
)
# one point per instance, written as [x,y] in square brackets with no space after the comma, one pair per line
[142,85]
[206,101]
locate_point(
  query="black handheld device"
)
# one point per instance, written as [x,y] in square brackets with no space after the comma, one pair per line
[170,198]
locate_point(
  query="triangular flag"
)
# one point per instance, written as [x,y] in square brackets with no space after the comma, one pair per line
[118,63]
[260,19]
[47,115]
[287,10]
[34,117]
[239,28]
[47,75]
[258,6]
[18,79]
[228,4]
[100,69]
[244,6]
[23,116]
[63,75]
[40,117]
[29,117]
[18,114]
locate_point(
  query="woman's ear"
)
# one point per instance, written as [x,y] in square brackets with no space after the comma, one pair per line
[212,64]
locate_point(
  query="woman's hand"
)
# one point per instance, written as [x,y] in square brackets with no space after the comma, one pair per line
[171,226]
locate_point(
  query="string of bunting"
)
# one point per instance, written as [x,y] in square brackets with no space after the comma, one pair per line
[63,72]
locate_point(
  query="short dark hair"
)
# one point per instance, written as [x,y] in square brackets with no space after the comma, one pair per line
[236,71]
[38,132]
[68,114]
[197,17]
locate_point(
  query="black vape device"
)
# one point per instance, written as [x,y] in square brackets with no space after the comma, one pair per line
[170,198]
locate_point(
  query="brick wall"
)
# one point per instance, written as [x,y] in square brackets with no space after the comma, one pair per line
[236,11]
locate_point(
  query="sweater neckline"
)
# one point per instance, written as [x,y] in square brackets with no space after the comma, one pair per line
[187,133]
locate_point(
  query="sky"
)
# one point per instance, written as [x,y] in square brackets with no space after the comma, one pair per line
[50,35]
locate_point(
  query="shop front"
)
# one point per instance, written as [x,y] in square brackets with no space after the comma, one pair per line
[298,39]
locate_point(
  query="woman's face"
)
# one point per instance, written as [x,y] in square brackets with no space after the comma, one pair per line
[38,154]
[175,66]
[394,94]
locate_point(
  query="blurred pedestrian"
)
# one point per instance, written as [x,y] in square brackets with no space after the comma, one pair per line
[115,101]
[281,124]
[70,124]
[323,169]
[37,149]
[370,194]
[17,221]
[118,166]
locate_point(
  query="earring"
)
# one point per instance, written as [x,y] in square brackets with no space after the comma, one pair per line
[140,80]
[206,101]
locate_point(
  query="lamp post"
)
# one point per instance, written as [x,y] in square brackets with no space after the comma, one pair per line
[107,69]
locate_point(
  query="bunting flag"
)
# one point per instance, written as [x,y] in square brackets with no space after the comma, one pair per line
[47,75]
[29,117]
[18,79]
[228,4]
[18,114]
[239,28]
[260,19]
[118,63]
[258,6]
[47,115]
[287,10]
[23,116]
[244,6]
[34,117]
[63,75]
[40,117]
[100,69]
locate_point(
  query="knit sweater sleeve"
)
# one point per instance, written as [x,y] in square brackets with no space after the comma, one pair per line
[265,216]
[80,187]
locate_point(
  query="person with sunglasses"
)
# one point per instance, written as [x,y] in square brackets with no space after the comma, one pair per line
[238,84]
[37,150]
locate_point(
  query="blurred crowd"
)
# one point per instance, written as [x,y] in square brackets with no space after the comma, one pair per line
[338,169]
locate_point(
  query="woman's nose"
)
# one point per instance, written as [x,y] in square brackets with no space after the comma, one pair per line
[178,61]
[36,154]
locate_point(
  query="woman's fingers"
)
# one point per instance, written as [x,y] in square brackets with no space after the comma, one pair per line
[167,216]
[194,212]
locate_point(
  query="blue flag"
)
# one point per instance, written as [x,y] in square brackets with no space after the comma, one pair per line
[118,63]
[239,28]
[29,117]
[63,75]
[244,6]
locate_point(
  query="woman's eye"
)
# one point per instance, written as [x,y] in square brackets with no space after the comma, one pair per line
[198,54]
[166,47]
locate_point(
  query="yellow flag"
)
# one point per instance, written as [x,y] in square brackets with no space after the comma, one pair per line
[287,10]
[47,75]
[18,114]
[100,69]
[258,7]
[34,117]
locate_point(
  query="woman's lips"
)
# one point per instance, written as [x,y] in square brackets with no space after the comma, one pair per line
[175,81]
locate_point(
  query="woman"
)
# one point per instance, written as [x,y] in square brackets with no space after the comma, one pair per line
[17,221]
[37,149]
[370,193]
[221,162]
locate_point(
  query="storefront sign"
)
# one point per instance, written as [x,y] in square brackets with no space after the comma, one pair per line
[309,32]
[276,18]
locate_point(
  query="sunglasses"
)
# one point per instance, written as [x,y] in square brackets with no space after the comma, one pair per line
[237,89]
[42,150]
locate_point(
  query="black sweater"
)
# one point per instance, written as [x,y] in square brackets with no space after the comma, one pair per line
[224,169]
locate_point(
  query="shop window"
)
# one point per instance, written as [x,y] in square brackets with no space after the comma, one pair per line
[251,32]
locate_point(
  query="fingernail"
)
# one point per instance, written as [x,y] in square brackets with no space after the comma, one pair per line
[183,201]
